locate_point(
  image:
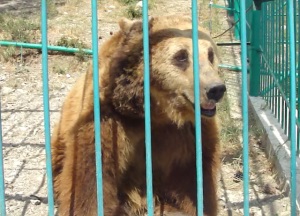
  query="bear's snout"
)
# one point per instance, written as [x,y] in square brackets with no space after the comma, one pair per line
[215,91]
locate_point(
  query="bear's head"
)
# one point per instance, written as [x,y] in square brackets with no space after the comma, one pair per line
[171,71]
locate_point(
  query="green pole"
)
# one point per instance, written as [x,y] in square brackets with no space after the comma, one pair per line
[46,106]
[255,54]
[230,67]
[245,108]
[292,123]
[2,185]
[236,18]
[39,46]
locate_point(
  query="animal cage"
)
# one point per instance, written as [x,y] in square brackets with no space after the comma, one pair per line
[271,27]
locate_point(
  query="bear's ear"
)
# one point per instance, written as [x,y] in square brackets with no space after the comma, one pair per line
[127,26]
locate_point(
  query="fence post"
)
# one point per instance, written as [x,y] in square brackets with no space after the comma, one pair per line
[236,15]
[255,52]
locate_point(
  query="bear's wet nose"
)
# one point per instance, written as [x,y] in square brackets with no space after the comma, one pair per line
[216,91]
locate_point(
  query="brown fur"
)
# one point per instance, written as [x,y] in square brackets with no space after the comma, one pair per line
[122,126]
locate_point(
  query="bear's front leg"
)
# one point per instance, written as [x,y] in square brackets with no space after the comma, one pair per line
[210,200]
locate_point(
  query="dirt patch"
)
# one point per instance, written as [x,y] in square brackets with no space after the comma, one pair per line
[22,109]
[23,7]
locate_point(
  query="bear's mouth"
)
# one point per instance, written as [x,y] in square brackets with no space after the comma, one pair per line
[208,112]
[208,109]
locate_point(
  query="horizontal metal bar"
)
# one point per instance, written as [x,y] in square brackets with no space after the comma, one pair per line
[284,42]
[230,67]
[222,7]
[230,43]
[88,51]
[39,46]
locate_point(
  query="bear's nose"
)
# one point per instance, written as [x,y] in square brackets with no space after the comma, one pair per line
[215,91]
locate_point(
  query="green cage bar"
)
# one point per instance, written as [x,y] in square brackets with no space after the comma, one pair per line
[262,46]
[285,83]
[39,46]
[278,73]
[198,140]
[274,75]
[237,15]
[282,67]
[46,106]
[98,155]
[272,56]
[149,188]
[245,107]
[279,77]
[292,130]
[255,53]
[2,187]
[297,26]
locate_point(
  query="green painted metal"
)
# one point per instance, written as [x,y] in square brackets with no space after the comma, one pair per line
[230,67]
[198,138]
[298,78]
[278,41]
[149,184]
[255,54]
[272,56]
[222,7]
[96,96]
[278,74]
[292,131]
[274,40]
[236,15]
[245,108]
[39,46]
[2,187]
[46,106]
[286,83]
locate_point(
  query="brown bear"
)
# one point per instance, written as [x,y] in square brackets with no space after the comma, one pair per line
[122,125]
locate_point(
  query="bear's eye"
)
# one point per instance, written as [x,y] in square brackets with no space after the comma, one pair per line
[210,55]
[180,59]
[181,55]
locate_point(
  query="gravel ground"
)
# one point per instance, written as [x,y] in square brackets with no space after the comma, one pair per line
[22,112]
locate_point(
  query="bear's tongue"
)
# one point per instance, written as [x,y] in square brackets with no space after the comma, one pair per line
[208,106]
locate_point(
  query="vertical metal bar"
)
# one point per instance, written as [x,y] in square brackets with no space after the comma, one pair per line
[277,105]
[272,58]
[280,45]
[277,74]
[244,107]
[267,53]
[292,131]
[2,187]
[197,108]
[263,40]
[97,109]
[286,73]
[255,54]
[236,17]
[150,209]
[46,107]
[298,73]
[269,35]
[282,63]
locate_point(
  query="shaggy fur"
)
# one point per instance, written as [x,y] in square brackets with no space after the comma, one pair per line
[122,126]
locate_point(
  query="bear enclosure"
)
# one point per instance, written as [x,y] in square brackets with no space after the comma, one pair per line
[269,37]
